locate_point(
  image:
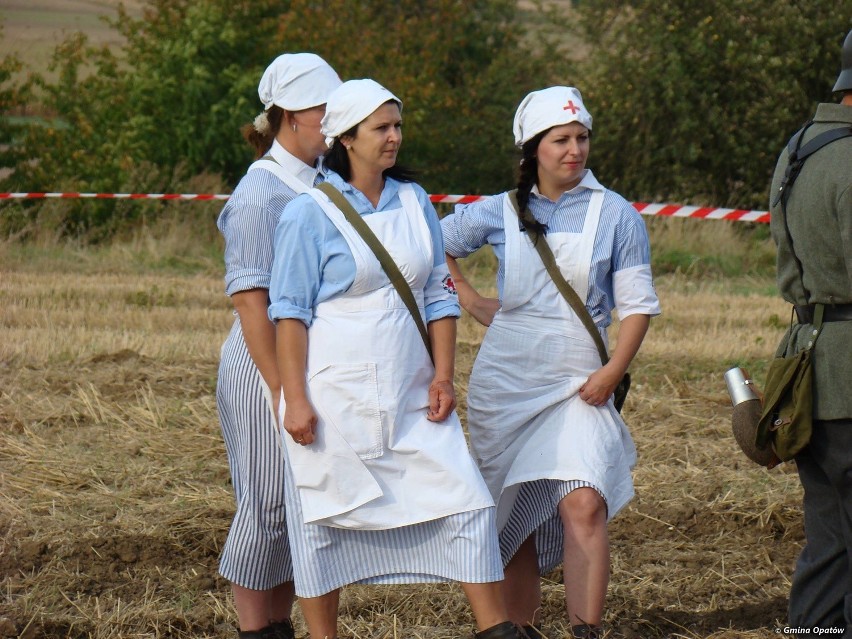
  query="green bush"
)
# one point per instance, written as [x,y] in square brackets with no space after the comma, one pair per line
[170,103]
[694,101]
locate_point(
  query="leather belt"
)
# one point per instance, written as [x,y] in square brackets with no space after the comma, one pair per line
[833,313]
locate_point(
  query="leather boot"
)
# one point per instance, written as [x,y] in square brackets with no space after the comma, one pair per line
[271,631]
[283,629]
[586,631]
[505,630]
[532,631]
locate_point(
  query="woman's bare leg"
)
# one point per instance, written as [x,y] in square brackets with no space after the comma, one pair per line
[522,585]
[257,608]
[486,603]
[321,614]
[586,555]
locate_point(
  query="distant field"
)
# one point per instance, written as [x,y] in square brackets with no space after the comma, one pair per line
[33,28]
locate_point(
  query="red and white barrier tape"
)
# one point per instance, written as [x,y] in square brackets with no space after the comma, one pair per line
[670,210]
[114,196]
[708,213]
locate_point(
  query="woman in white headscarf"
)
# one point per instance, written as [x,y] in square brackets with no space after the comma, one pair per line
[287,138]
[550,444]
[381,488]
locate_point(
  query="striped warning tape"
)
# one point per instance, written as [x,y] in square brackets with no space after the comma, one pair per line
[665,210]
[115,196]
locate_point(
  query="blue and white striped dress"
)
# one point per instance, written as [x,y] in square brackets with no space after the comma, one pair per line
[536,400]
[256,554]
[461,547]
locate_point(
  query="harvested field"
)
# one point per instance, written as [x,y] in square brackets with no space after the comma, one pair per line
[115,496]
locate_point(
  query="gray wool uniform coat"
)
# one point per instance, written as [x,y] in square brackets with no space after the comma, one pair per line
[819,214]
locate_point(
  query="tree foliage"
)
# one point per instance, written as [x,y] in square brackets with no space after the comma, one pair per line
[169,105]
[694,101]
[149,116]
[11,95]
[460,67]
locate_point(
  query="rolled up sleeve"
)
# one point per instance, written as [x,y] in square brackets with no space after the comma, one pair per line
[297,267]
[633,284]
[439,295]
[469,227]
[248,231]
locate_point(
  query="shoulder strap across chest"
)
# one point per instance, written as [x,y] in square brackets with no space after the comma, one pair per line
[269,163]
[388,265]
[797,154]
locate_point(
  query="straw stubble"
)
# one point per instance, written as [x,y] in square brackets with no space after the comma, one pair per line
[115,495]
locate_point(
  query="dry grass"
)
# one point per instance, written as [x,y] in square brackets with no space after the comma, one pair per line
[114,491]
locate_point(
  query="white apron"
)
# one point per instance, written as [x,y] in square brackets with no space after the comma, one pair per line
[377,462]
[526,419]
[281,173]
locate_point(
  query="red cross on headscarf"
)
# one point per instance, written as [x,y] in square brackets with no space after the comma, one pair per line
[573,107]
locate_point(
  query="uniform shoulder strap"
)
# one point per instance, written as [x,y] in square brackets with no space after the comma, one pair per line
[797,154]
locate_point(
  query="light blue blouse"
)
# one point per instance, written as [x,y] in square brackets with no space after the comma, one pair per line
[248,221]
[621,241]
[313,262]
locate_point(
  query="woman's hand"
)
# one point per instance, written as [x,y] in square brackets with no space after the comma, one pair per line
[300,421]
[291,342]
[601,384]
[442,400]
[481,308]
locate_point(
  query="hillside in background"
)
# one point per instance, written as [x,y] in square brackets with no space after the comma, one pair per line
[33,28]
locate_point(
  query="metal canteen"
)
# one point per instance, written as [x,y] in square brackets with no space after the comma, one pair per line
[740,387]
[748,406]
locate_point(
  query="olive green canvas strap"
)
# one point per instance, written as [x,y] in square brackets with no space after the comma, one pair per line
[562,284]
[819,314]
[381,253]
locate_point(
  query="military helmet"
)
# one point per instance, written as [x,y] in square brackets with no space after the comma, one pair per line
[844,80]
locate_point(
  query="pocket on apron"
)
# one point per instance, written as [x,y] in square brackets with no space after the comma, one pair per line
[346,396]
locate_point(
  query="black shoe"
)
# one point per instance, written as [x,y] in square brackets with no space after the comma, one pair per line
[276,630]
[532,631]
[505,630]
[283,629]
[585,631]
[264,633]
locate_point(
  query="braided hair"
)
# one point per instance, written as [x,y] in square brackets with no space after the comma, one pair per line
[527,178]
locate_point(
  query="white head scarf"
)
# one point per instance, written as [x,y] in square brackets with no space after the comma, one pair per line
[352,103]
[547,108]
[296,81]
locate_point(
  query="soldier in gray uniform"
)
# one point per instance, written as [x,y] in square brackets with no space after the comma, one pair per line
[813,232]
